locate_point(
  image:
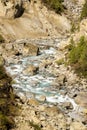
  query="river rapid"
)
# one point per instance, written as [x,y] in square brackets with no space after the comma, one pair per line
[43,82]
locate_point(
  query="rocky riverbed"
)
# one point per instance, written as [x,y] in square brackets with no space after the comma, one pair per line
[48,92]
[52,96]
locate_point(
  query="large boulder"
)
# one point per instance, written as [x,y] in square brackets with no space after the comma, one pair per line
[77,126]
[30,70]
[30,49]
[81,99]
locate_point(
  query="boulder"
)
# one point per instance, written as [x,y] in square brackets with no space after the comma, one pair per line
[77,126]
[81,99]
[30,70]
[33,102]
[26,49]
[51,111]
[61,79]
[42,98]
[84,111]
[30,50]
[67,105]
[45,64]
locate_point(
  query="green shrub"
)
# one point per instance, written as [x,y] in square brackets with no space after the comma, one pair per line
[55,5]
[1,39]
[78,57]
[84,11]
[71,45]
[35,126]
[73,28]
[60,61]
[8,107]
[2,72]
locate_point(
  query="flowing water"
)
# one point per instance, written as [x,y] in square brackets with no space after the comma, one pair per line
[42,83]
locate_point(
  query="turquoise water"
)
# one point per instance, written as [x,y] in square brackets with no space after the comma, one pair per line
[39,84]
[44,84]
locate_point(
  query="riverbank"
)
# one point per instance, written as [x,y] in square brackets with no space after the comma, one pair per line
[42,83]
[8,104]
[38,116]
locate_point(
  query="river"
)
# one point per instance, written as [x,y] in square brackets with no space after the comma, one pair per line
[42,83]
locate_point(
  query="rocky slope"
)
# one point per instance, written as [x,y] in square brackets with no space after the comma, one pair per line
[35,21]
[73,9]
[52,96]
[60,92]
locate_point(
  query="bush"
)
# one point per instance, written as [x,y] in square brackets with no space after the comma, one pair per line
[35,126]
[84,11]
[55,5]
[60,61]
[8,107]
[70,46]
[78,57]
[1,39]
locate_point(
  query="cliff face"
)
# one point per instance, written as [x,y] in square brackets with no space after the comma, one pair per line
[20,19]
[11,8]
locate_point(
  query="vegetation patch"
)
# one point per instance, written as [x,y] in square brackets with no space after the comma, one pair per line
[60,61]
[84,11]
[78,56]
[1,39]
[8,108]
[35,126]
[55,5]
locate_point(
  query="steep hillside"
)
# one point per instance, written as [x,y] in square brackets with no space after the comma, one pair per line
[41,48]
[35,21]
